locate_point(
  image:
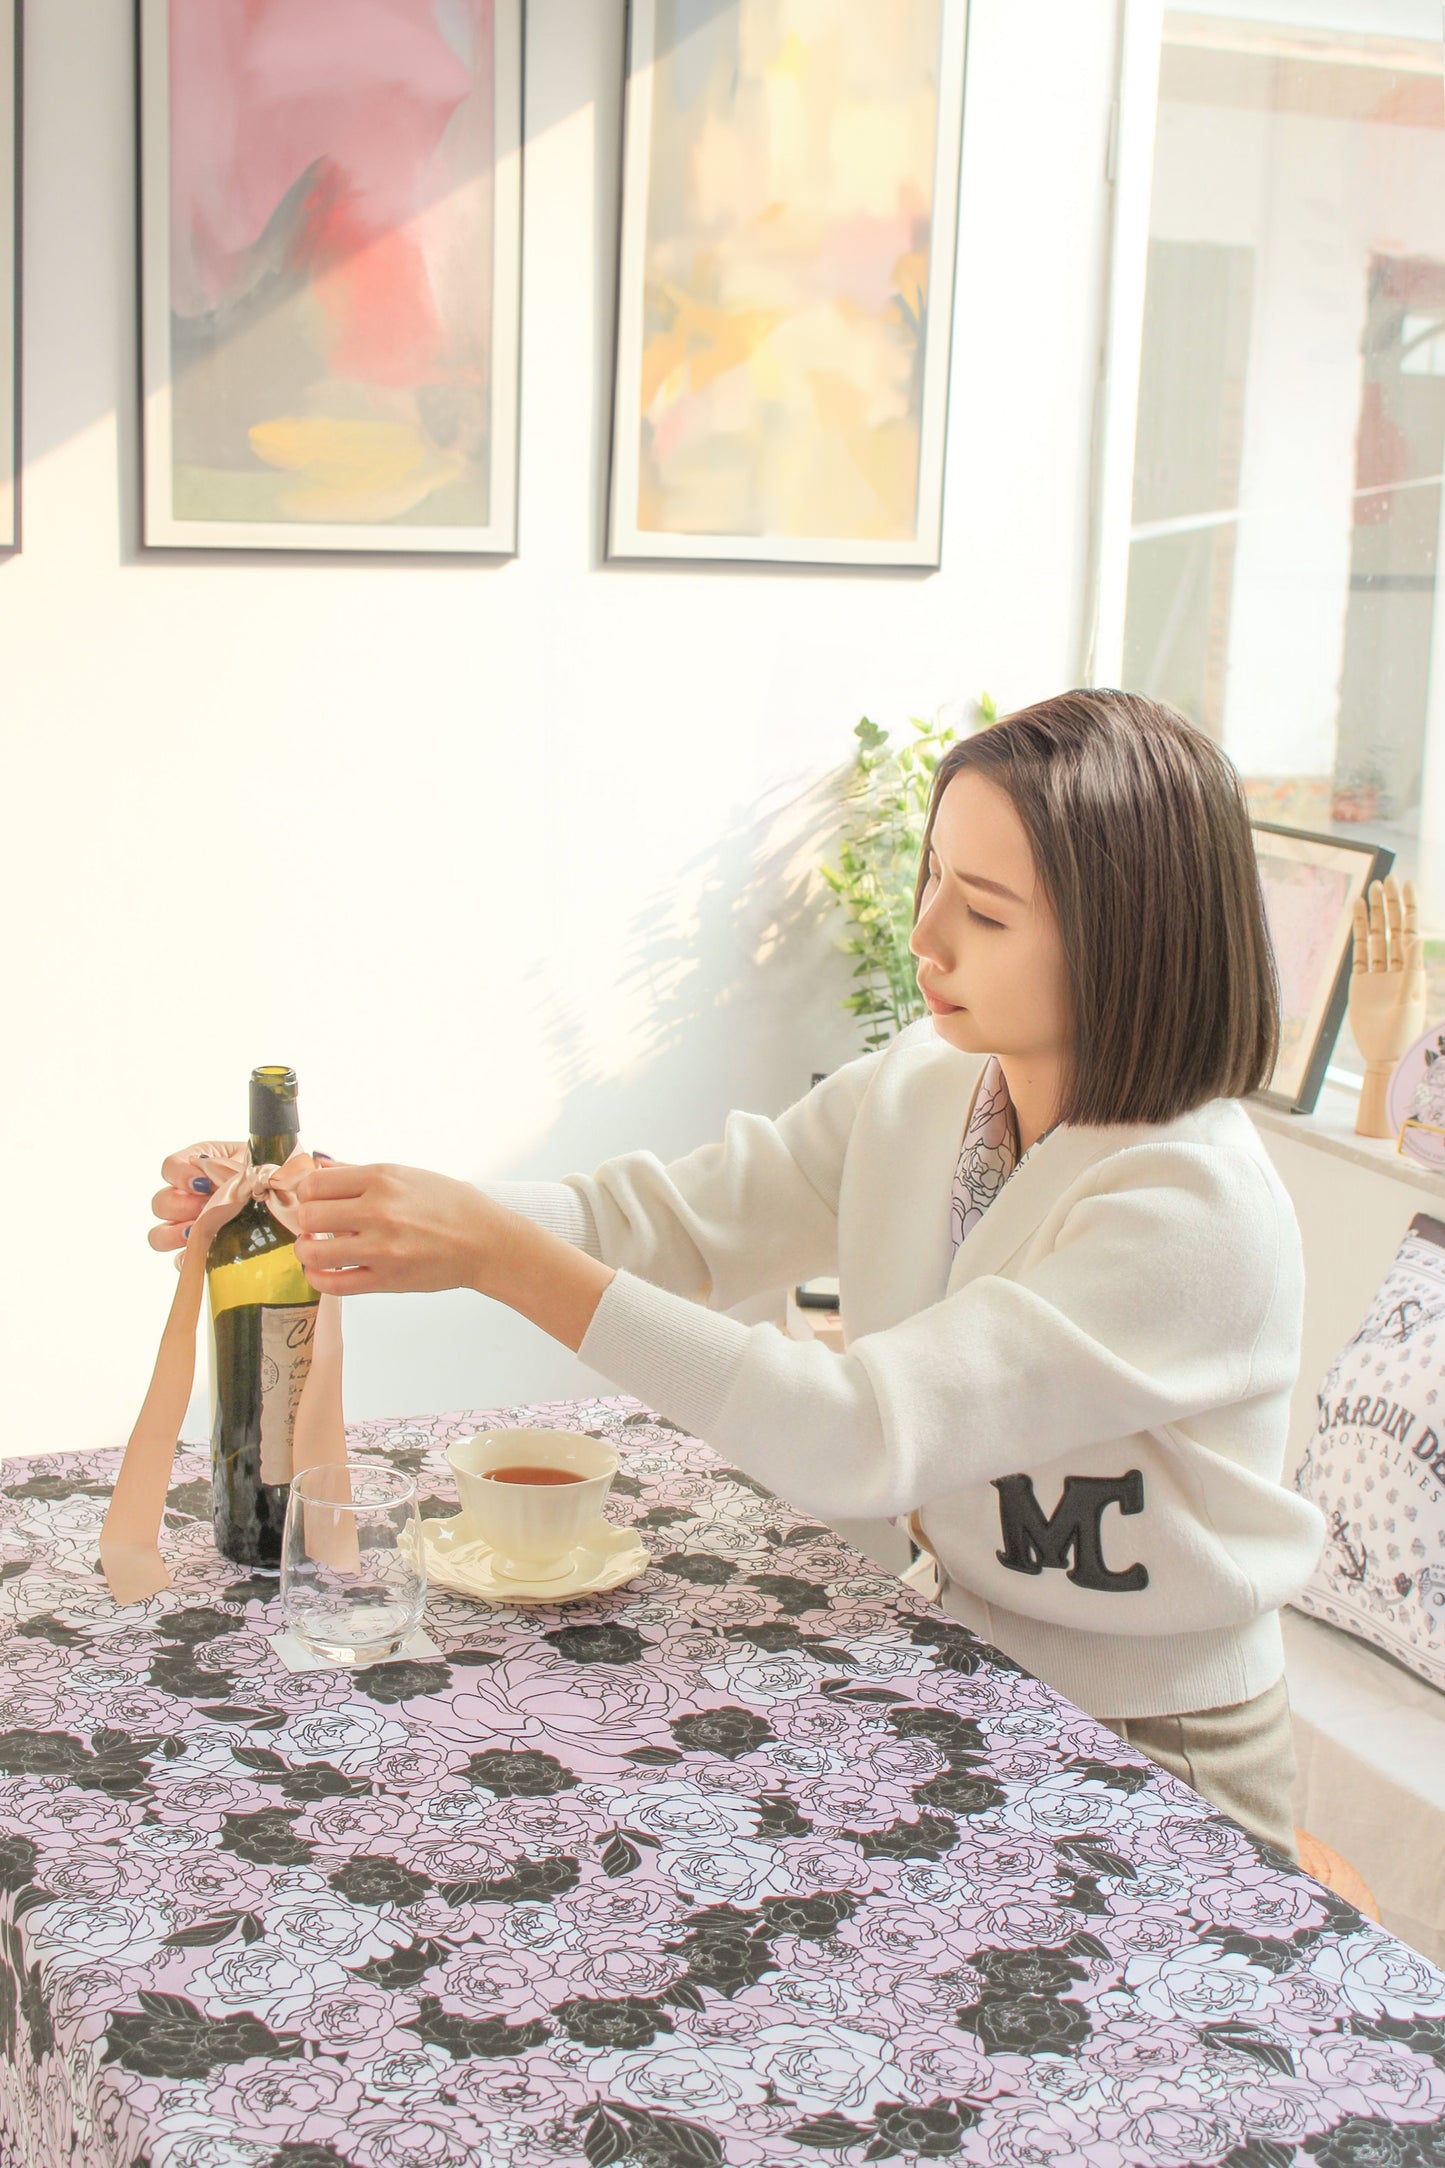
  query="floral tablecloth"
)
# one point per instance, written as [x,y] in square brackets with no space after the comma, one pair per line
[758,1859]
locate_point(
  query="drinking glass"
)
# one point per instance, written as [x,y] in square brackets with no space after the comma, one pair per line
[353,1575]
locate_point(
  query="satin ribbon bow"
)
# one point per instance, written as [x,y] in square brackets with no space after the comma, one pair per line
[130,1539]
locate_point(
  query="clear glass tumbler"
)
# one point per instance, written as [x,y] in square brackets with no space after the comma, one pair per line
[353,1573]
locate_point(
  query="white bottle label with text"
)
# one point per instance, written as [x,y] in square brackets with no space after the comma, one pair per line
[287,1333]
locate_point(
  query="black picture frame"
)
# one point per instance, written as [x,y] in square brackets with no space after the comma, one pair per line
[1312,1013]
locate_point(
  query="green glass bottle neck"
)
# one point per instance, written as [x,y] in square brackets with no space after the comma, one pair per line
[274,1151]
[274,1122]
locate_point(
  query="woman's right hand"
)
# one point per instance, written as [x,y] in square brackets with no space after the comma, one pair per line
[186,1190]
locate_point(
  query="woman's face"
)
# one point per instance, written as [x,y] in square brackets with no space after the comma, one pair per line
[988,947]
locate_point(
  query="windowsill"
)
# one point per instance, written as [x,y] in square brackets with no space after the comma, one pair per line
[1331,1128]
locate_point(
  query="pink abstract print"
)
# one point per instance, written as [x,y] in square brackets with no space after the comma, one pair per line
[331,201]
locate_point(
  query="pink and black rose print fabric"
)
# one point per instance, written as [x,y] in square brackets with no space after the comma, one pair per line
[758,1859]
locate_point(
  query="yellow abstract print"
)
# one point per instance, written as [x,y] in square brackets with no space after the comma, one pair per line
[787,267]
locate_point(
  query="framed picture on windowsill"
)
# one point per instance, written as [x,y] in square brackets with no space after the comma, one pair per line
[1310,885]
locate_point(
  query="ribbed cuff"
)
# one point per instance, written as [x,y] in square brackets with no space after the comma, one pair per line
[679,1358]
[553,1206]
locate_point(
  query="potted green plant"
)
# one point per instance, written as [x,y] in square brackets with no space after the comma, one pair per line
[886,801]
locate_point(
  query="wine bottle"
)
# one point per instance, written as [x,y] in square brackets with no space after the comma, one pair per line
[263,1322]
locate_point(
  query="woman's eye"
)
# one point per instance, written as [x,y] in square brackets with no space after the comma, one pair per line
[979,919]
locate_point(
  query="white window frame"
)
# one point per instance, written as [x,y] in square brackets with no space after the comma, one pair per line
[1130,175]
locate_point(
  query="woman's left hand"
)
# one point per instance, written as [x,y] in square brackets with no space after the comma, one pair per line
[395,1231]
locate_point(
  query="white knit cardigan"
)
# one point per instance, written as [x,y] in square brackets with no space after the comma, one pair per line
[1087,1405]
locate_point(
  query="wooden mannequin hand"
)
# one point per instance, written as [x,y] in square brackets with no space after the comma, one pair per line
[1387,993]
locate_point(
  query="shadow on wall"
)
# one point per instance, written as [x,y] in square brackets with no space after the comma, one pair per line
[735,972]
[732,985]
[736,975]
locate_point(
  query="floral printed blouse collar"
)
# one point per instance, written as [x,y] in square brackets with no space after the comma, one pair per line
[990,1152]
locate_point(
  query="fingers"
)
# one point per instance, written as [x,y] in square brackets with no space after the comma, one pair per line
[327,1199]
[175,1208]
[1362,933]
[181,1166]
[356,1280]
[1392,923]
[330,1251]
[1386,929]
[327,1218]
[332,1180]
[177,1204]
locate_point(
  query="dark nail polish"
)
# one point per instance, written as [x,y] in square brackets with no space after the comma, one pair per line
[202,1183]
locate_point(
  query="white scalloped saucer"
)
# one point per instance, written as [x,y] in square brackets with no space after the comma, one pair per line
[459,1559]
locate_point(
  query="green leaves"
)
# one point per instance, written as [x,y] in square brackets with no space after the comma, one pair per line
[619,2133]
[886,803]
[170,2037]
[207,1933]
[462,2037]
[619,1857]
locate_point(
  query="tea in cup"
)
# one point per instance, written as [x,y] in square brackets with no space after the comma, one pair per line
[532,1495]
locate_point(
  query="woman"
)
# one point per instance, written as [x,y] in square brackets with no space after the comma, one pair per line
[1071,1342]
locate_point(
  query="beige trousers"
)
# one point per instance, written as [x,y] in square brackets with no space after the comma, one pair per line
[1241,1758]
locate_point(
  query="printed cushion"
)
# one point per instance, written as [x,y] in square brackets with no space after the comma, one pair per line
[1376,1466]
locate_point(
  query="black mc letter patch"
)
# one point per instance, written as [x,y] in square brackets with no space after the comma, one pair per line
[1031,1542]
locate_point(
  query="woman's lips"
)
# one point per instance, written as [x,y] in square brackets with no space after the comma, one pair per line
[940,1008]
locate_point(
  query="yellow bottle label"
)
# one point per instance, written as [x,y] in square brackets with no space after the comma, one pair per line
[274,1277]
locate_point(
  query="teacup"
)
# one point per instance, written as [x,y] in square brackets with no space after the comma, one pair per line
[532,1527]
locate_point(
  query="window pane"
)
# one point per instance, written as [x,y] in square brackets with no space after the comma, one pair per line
[1291,428]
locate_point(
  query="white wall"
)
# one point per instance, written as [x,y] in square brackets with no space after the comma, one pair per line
[513,861]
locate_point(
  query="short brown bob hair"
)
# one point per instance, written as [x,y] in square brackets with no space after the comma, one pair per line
[1139,830]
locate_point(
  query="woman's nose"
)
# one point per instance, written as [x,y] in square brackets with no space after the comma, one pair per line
[921,943]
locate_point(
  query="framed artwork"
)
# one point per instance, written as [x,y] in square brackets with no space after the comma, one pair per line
[785,279]
[331,273]
[1310,884]
[10,125]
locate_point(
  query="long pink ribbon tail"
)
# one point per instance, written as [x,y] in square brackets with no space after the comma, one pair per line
[318,1439]
[130,1538]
